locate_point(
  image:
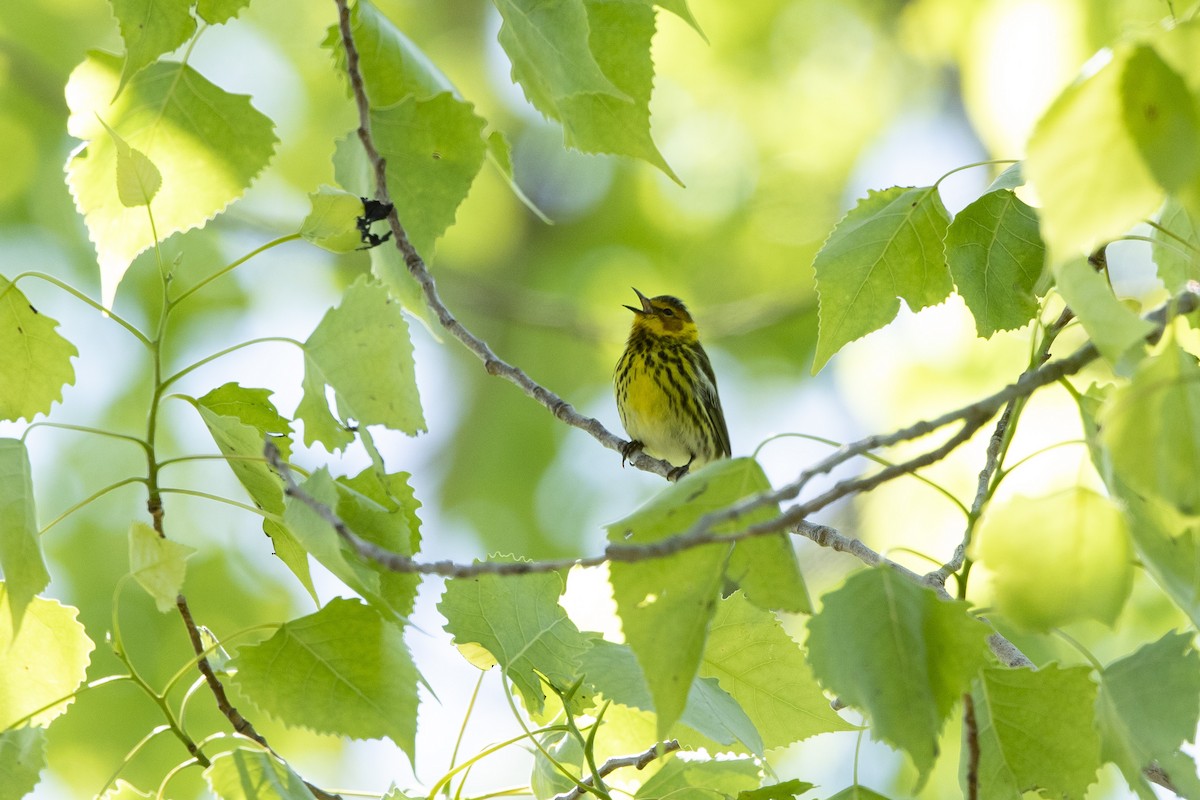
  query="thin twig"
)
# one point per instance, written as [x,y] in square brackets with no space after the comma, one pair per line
[823,535]
[492,363]
[639,760]
[239,723]
[971,734]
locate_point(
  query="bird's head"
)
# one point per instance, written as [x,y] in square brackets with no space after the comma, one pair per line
[663,316]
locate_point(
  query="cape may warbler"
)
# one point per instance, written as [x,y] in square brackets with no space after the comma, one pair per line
[666,389]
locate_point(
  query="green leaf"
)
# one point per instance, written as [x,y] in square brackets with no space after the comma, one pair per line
[1161,116]
[857,793]
[787,790]
[1168,544]
[149,29]
[46,661]
[207,144]
[316,536]
[548,46]
[680,9]
[332,223]
[702,779]
[1081,568]
[499,152]
[383,511]
[245,774]
[587,64]
[1151,427]
[665,603]
[240,420]
[894,650]
[518,620]
[599,122]
[21,558]
[1086,165]
[392,67]
[344,670]
[123,790]
[1011,178]
[1035,731]
[1113,327]
[710,711]
[887,248]
[434,149]
[22,759]
[1178,261]
[159,565]
[996,257]
[1148,705]
[755,660]
[217,12]
[360,348]
[138,180]
[35,362]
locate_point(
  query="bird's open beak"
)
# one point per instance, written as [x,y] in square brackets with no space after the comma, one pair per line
[645,309]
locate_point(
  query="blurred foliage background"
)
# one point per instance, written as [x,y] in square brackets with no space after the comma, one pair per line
[787,113]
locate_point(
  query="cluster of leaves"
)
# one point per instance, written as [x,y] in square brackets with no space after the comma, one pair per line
[706,659]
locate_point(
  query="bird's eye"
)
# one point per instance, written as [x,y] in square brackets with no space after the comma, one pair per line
[667,312]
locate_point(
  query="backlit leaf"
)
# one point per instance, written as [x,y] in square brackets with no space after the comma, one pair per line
[886,249]
[21,558]
[22,759]
[159,565]
[665,604]
[35,362]
[332,223]
[518,620]
[344,670]
[1086,165]
[46,661]
[245,774]
[1056,559]
[151,28]
[360,348]
[1151,427]
[764,669]
[1114,328]
[207,145]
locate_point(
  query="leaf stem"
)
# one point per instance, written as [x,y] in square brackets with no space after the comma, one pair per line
[196,365]
[216,498]
[872,457]
[972,165]
[232,266]
[87,429]
[71,290]
[98,682]
[1168,232]
[94,496]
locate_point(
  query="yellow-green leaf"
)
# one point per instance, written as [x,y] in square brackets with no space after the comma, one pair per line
[43,663]
[159,565]
[1056,559]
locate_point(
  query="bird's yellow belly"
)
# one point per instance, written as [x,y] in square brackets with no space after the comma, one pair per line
[648,418]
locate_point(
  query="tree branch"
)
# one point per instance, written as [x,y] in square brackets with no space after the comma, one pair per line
[492,363]
[639,760]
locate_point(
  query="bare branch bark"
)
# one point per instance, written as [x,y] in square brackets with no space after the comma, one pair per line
[638,760]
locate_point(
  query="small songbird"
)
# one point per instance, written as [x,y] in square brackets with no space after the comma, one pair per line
[666,389]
